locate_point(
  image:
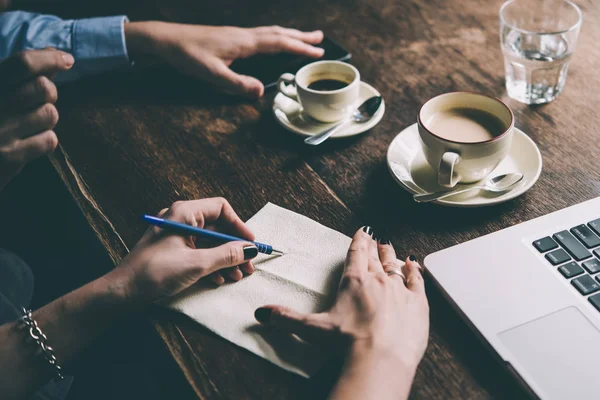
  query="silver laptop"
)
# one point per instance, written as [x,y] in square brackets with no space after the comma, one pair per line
[533,293]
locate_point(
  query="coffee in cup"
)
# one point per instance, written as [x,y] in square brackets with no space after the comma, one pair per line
[464,124]
[464,135]
[326,90]
[327,85]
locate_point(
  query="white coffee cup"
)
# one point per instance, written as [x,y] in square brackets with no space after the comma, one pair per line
[324,106]
[456,160]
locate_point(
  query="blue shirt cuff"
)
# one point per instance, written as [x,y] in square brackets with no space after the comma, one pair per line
[99,44]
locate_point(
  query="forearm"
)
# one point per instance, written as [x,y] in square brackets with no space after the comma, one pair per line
[372,373]
[98,44]
[70,323]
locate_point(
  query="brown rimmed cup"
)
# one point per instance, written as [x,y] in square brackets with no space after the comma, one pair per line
[457,161]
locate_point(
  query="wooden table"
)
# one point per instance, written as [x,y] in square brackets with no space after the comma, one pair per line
[134,142]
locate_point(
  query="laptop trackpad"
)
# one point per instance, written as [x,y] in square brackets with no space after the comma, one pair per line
[560,352]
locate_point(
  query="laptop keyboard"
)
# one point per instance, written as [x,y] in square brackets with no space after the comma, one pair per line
[576,255]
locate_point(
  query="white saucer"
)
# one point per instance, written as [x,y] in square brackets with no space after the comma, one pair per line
[289,115]
[407,165]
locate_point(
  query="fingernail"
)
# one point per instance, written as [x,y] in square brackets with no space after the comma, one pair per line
[384,241]
[69,60]
[368,230]
[412,258]
[263,314]
[250,252]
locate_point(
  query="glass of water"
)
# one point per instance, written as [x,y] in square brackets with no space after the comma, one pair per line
[538,38]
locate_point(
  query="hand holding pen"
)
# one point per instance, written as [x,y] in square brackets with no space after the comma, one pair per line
[188,230]
[163,264]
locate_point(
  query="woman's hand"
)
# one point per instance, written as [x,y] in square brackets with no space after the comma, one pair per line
[383,320]
[162,264]
[206,52]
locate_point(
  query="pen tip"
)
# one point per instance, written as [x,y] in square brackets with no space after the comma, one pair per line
[277,252]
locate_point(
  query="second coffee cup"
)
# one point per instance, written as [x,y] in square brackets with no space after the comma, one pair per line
[464,135]
[326,90]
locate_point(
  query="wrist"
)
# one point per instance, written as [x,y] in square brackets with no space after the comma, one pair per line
[365,350]
[372,371]
[143,38]
[117,286]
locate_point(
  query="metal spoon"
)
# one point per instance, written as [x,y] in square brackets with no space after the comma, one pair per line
[361,115]
[497,184]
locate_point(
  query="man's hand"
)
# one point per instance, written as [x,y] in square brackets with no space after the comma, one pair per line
[27,112]
[206,52]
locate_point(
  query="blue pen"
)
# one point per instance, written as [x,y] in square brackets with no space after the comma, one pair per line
[189,230]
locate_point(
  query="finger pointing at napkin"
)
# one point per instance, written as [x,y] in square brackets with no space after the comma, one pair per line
[380,318]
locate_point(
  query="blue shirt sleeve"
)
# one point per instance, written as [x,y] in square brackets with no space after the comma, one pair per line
[98,44]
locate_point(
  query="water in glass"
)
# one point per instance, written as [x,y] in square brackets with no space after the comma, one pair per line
[538,39]
[536,70]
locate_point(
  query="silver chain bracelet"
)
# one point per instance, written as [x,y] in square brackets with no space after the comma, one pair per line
[41,340]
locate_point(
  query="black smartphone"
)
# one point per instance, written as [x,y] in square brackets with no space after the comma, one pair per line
[268,68]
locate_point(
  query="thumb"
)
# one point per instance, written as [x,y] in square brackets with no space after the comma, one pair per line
[31,63]
[315,328]
[251,86]
[235,83]
[227,255]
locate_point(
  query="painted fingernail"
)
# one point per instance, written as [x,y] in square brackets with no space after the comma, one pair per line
[250,252]
[69,60]
[412,258]
[384,241]
[368,230]
[263,314]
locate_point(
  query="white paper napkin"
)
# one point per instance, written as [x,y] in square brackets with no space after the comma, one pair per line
[305,278]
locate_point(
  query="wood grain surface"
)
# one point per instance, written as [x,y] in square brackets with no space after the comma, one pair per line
[134,142]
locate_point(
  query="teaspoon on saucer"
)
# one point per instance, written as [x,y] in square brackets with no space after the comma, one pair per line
[361,115]
[498,184]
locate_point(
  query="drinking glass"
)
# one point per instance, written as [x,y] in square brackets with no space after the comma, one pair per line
[538,38]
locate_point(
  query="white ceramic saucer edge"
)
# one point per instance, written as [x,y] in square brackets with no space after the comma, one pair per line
[531,178]
[356,129]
